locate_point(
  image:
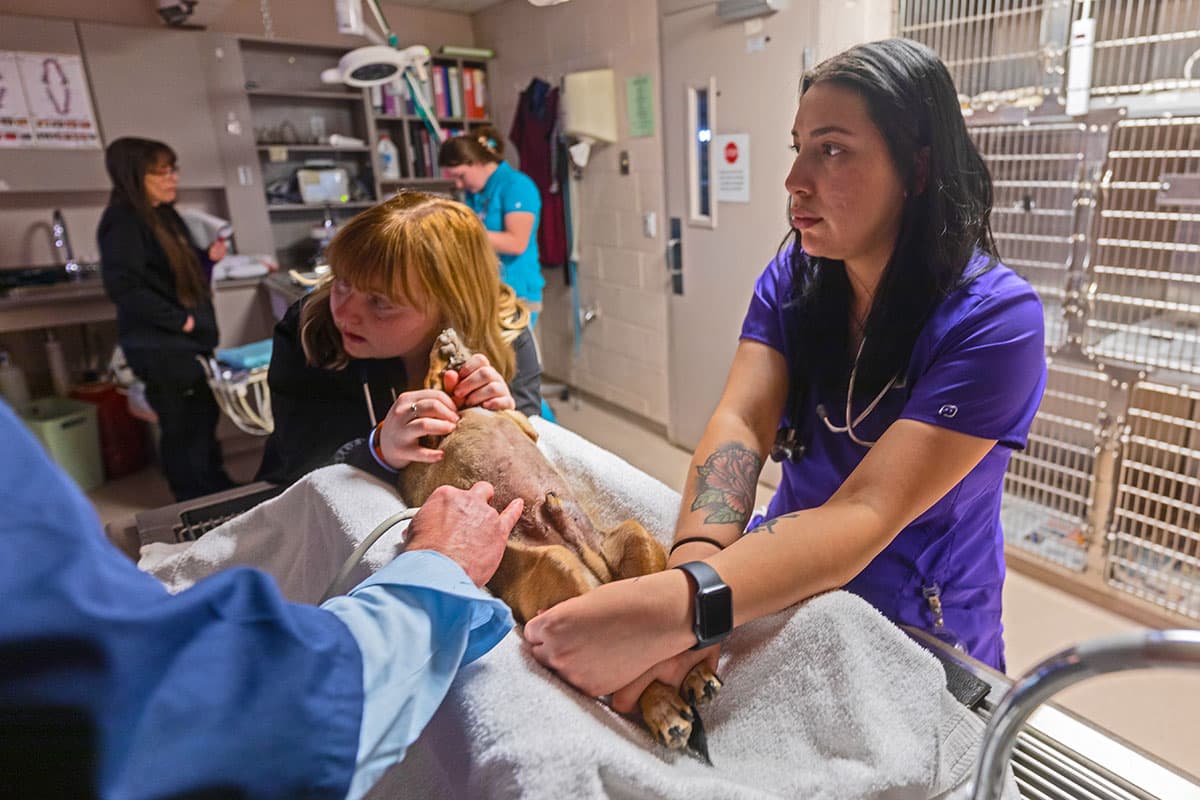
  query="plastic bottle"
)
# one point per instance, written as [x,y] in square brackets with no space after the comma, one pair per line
[12,382]
[389,158]
[58,365]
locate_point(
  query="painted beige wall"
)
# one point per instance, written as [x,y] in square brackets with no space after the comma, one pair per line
[302,20]
[624,351]
[844,23]
[24,217]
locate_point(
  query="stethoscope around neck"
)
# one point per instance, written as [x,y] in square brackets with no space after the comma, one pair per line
[788,447]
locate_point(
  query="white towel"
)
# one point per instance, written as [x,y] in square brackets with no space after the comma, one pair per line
[825,700]
[302,537]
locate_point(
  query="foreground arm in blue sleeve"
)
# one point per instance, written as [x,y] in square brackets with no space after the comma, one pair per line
[416,621]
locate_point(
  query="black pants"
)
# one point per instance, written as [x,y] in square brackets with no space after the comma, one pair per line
[187,419]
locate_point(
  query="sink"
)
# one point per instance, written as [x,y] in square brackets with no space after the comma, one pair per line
[25,281]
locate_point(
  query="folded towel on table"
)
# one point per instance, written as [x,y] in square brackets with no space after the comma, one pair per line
[825,700]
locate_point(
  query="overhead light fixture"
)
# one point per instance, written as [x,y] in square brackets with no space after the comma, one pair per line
[382,62]
[377,64]
[546,2]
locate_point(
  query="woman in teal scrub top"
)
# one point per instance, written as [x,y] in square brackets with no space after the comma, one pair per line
[507,201]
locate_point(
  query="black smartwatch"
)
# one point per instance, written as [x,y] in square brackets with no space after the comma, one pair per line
[712,617]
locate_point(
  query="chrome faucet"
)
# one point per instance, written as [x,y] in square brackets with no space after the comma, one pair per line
[62,244]
[1136,650]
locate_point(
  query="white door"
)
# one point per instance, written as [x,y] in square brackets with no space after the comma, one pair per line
[718,79]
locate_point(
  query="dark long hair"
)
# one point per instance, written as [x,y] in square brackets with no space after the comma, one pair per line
[910,97]
[484,145]
[127,160]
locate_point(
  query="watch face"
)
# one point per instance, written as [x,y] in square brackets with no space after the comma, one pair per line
[715,611]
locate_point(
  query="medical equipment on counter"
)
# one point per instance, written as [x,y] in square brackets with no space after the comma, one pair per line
[232,267]
[324,185]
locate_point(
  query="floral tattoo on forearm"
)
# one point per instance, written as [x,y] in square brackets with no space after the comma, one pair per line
[726,484]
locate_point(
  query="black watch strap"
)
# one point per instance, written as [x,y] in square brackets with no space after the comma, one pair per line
[712,614]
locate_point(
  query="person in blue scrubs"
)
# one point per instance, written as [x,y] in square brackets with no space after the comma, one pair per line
[111,687]
[508,202]
[888,359]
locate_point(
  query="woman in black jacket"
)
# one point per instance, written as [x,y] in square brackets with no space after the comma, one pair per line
[159,281]
[349,360]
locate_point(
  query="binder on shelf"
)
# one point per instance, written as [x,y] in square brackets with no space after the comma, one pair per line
[441,104]
[480,101]
[454,84]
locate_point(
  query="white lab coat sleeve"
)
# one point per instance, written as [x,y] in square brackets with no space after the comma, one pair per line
[417,621]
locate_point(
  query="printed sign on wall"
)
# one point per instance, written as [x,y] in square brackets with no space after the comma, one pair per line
[731,152]
[15,127]
[45,95]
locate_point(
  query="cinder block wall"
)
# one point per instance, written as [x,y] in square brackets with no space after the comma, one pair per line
[622,272]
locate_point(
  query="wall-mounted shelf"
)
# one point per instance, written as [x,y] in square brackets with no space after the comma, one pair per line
[278,83]
[284,94]
[312,148]
[416,181]
[318,206]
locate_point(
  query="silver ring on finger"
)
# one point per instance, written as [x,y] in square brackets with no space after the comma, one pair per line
[413,407]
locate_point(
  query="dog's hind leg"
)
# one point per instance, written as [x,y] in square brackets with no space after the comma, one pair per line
[533,578]
[630,551]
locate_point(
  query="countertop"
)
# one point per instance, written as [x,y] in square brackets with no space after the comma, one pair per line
[71,303]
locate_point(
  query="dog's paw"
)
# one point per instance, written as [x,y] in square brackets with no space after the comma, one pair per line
[701,685]
[667,716]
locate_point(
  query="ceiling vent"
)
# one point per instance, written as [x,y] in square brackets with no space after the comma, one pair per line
[735,10]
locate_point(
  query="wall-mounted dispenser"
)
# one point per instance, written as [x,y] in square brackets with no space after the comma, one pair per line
[735,10]
[590,105]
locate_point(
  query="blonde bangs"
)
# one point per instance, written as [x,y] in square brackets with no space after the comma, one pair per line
[416,245]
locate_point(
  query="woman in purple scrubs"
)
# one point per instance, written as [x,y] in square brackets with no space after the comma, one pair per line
[887,359]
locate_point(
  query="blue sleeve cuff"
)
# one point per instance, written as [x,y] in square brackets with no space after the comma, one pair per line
[491,619]
[372,440]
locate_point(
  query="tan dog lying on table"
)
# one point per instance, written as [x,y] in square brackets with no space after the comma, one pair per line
[554,552]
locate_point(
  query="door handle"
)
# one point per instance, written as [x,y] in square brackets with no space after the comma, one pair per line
[675,255]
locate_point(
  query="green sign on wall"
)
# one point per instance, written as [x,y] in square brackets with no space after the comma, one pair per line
[639,97]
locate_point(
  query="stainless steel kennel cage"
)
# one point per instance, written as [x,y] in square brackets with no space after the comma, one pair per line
[1099,209]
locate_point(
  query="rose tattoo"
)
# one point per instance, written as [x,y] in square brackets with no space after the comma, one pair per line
[726,485]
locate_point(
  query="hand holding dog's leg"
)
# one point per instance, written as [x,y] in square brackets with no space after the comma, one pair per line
[673,671]
[462,526]
[605,639]
[425,412]
[478,383]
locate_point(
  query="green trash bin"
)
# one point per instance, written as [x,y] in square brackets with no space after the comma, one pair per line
[68,431]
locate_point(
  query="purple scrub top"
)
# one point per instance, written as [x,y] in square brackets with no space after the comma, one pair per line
[978,367]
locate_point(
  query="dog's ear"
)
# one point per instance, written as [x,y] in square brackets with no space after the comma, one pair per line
[522,423]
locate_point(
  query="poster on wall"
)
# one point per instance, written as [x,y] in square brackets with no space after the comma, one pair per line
[15,127]
[731,152]
[58,100]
